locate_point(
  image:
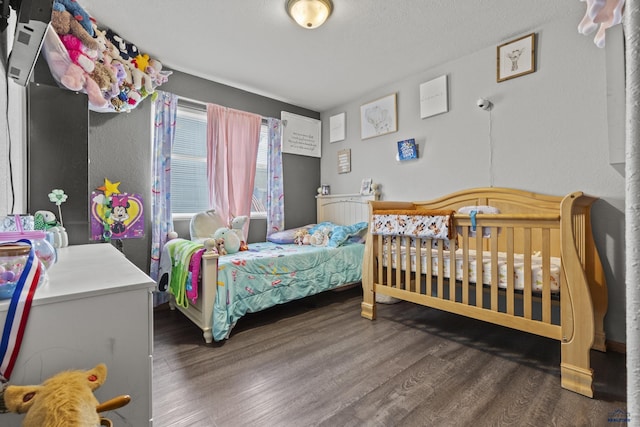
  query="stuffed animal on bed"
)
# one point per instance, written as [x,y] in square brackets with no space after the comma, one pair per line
[230,239]
[320,237]
[66,399]
[302,237]
[237,226]
[204,224]
[220,246]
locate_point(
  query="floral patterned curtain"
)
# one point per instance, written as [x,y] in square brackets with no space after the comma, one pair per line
[164,129]
[275,190]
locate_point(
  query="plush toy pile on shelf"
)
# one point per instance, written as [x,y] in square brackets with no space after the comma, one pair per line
[99,62]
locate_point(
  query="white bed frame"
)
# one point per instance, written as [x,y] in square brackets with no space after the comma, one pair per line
[341,209]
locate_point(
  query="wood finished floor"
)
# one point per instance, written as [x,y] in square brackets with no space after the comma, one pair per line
[316,362]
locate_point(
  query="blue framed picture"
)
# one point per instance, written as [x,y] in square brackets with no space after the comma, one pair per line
[407,149]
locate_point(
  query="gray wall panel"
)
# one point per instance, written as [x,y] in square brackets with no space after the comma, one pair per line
[58,154]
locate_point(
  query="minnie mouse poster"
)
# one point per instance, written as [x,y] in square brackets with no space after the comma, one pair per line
[119,205]
[116,215]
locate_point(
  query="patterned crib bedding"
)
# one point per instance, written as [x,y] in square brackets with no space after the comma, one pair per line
[269,274]
[519,265]
[432,224]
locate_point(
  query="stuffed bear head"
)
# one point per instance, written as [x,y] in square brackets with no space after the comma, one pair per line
[104,76]
[78,13]
[66,399]
[63,23]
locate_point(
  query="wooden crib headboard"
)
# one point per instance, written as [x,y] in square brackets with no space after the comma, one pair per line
[507,200]
[344,209]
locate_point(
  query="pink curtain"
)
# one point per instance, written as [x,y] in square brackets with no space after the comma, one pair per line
[232,149]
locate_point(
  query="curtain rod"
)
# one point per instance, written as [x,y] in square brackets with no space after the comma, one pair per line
[201,105]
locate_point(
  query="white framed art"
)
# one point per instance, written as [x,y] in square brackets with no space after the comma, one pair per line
[300,135]
[379,117]
[337,127]
[433,97]
[516,58]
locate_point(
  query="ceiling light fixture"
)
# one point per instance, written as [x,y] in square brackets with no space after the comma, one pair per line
[309,13]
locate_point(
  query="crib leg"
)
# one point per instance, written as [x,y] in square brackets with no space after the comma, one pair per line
[577,379]
[575,366]
[368,310]
[368,306]
[600,341]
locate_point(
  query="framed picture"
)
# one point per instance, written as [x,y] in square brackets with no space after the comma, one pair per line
[365,187]
[433,97]
[516,58]
[301,135]
[337,127]
[407,149]
[344,161]
[379,117]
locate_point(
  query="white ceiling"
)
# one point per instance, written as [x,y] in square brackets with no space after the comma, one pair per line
[365,44]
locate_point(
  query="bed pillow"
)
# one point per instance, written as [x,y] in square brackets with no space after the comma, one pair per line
[286,237]
[341,233]
[358,238]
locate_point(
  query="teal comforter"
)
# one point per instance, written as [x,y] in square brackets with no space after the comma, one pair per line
[269,274]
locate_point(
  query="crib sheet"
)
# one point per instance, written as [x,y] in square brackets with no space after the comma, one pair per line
[536,267]
[269,274]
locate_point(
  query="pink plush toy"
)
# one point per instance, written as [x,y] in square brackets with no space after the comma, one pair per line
[157,74]
[79,53]
[603,14]
[76,79]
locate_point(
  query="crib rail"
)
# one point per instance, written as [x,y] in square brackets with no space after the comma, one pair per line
[409,269]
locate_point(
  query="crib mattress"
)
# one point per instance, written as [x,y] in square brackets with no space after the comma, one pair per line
[518,264]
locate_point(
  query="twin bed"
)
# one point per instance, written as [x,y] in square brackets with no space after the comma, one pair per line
[533,255]
[509,257]
[271,273]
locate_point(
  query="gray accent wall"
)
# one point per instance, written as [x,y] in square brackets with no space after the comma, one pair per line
[551,132]
[57,156]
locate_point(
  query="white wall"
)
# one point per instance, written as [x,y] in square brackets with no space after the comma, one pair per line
[548,132]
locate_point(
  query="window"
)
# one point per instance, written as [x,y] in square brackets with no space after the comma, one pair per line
[189,189]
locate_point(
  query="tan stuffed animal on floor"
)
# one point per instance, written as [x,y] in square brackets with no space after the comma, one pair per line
[66,399]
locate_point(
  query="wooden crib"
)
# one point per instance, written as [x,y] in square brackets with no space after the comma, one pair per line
[534,229]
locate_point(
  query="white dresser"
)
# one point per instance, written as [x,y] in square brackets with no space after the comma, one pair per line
[95,308]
